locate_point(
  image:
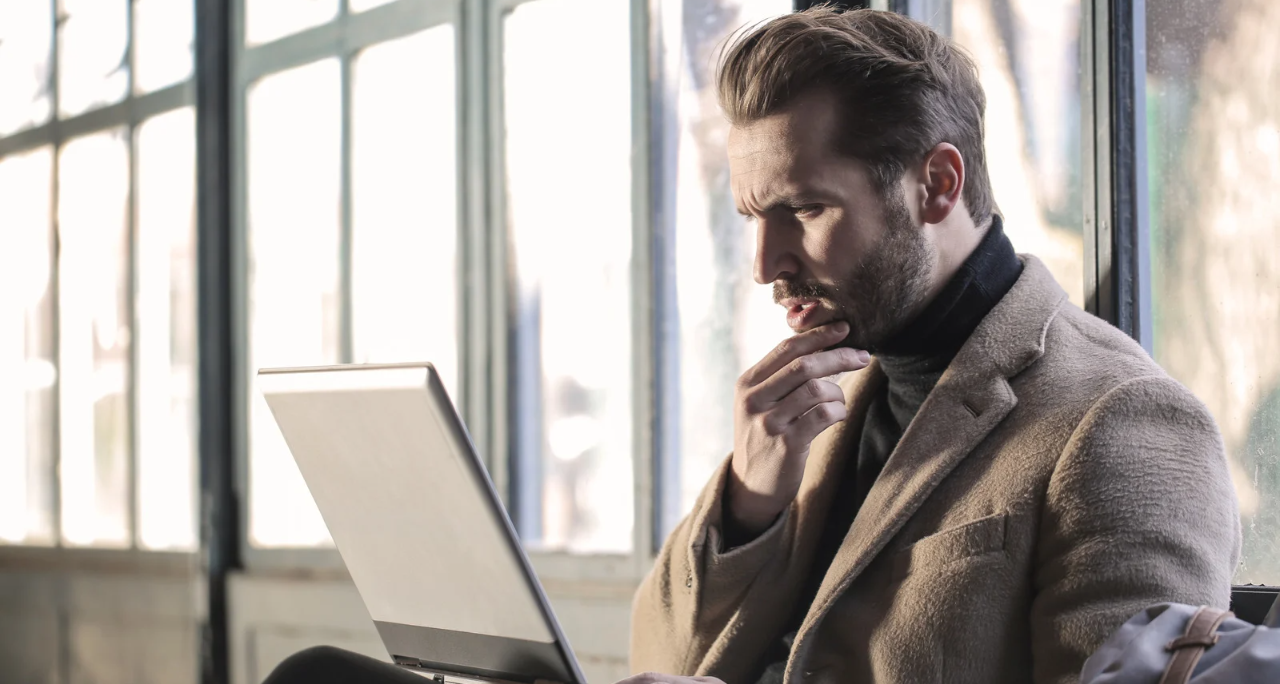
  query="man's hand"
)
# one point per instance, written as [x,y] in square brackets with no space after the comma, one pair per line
[781,404]
[659,678]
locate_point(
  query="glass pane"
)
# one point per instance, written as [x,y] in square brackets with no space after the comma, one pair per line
[166,331]
[1213,110]
[26,39]
[727,322]
[26,349]
[267,20]
[93,63]
[294,127]
[163,42]
[94,338]
[404,203]
[1027,52]
[362,5]
[569,211]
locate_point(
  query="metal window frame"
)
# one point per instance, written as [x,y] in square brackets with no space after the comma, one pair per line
[128,115]
[1117,240]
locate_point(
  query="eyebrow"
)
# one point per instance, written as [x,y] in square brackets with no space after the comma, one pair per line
[784,201]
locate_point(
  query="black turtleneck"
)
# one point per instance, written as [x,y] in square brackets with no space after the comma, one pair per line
[913,362]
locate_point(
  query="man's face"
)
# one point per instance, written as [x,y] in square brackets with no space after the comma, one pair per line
[833,245]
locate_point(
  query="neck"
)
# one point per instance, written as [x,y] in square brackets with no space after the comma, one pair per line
[974,288]
[955,239]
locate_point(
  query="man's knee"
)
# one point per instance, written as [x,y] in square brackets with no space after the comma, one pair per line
[307,663]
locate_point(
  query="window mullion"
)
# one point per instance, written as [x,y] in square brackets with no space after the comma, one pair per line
[644,404]
[131,232]
[1130,263]
[55,280]
[346,333]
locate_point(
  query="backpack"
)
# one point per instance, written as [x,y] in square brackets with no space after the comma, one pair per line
[1173,643]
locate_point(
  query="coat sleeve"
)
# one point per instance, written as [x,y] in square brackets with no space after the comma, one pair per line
[695,588]
[1140,510]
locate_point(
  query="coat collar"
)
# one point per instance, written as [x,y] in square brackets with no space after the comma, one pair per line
[970,400]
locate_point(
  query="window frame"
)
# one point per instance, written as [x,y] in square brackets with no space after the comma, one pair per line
[129,115]
[341,38]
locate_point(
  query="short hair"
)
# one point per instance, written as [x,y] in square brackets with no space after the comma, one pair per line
[901,87]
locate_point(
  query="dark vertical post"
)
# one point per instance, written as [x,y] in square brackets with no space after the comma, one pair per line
[217,365]
[1129,294]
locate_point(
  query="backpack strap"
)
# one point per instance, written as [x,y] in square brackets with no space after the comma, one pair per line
[1188,648]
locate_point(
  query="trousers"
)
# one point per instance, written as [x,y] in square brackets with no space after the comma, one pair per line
[330,665]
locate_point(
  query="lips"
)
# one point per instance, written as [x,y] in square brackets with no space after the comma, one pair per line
[805,314]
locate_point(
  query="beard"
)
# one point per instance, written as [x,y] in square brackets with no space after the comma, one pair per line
[885,288]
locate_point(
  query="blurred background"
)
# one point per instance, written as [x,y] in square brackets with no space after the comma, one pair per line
[532,194]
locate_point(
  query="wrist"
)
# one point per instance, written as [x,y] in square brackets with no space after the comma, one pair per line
[749,512]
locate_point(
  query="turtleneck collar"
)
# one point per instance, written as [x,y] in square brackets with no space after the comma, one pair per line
[915,358]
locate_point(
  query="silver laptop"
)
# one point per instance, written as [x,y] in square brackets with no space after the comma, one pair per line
[418,523]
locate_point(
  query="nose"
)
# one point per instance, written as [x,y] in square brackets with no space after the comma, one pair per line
[775,255]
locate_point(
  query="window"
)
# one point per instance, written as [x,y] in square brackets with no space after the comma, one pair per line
[351,218]
[568,171]
[1027,54]
[26,38]
[97,334]
[1213,138]
[27,409]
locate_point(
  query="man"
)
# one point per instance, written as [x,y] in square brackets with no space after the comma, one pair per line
[1005,484]
[1010,478]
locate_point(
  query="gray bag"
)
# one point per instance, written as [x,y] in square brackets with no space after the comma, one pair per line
[1173,643]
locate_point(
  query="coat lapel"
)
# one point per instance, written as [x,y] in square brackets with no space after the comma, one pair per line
[971,399]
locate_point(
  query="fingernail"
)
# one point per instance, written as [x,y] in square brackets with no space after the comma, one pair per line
[841,327]
[864,357]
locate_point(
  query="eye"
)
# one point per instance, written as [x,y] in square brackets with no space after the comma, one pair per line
[807,211]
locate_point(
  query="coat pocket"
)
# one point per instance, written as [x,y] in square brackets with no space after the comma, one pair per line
[967,540]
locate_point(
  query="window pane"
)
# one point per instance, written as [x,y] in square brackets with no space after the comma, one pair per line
[163,33]
[166,329]
[569,204]
[294,124]
[404,203]
[93,339]
[93,68]
[727,322]
[26,36]
[267,20]
[26,349]
[1213,107]
[1027,52]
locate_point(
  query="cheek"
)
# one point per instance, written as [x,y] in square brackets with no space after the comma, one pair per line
[835,243]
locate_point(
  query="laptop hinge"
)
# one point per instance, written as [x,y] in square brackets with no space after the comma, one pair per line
[443,676]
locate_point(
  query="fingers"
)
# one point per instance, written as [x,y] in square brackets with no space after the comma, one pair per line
[806,428]
[793,348]
[796,373]
[808,395]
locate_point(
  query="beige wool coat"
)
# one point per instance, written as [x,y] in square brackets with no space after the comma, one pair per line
[1055,482]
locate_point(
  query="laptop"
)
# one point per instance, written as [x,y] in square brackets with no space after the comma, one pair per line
[418,523]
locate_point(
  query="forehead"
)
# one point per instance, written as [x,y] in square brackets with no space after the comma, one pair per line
[787,148]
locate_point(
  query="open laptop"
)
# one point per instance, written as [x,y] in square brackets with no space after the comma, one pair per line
[418,523]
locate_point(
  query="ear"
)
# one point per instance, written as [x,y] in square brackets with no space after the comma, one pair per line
[943,176]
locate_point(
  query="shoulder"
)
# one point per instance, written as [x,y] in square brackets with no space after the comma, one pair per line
[1089,364]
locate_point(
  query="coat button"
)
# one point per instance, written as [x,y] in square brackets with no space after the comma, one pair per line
[688,581]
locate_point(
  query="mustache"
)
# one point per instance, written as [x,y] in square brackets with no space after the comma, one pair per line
[786,289]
